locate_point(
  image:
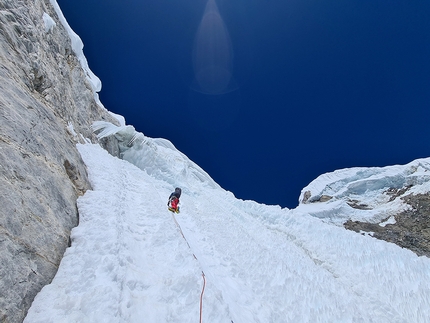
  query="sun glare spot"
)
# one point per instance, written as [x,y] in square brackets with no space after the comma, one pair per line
[212,54]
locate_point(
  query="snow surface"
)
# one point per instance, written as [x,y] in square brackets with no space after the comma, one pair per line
[132,260]
[48,21]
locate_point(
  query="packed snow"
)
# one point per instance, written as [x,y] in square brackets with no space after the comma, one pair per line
[132,259]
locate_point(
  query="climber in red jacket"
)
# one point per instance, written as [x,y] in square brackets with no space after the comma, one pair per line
[174,200]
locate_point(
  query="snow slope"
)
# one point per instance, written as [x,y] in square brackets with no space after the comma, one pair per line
[131,260]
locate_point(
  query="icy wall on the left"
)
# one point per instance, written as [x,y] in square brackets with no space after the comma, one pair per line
[47,105]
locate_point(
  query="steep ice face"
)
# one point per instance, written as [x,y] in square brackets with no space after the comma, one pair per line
[158,157]
[366,194]
[130,258]
[359,194]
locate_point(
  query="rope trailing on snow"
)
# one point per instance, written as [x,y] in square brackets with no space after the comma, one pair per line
[180,230]
[203,274]
[201,296]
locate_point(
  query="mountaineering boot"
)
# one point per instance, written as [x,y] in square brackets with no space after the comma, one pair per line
[173,210]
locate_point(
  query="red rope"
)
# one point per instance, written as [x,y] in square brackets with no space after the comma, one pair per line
[201,295]
[203,274]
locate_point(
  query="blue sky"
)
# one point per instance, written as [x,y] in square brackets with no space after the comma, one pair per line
[315,85]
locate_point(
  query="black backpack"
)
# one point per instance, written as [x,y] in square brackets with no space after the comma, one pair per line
[178,192]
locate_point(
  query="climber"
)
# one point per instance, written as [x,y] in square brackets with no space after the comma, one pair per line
[174,200]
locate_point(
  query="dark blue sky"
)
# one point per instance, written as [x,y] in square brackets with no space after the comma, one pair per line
[319,85]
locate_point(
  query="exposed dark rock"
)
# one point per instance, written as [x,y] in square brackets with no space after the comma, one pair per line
[110,144]
[357,205]
[324,198]
[307,198]
[396,192]
[412,227]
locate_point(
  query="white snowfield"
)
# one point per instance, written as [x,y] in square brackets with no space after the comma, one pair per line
[132,260]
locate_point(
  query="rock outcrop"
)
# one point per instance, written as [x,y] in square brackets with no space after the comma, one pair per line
[47,105]
[411,228]
[390,203]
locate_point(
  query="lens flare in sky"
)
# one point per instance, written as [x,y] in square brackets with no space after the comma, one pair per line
[212,54]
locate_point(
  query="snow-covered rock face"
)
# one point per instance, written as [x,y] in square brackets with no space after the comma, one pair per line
[365,194]
[408,229]
[47,105]
[389,203]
